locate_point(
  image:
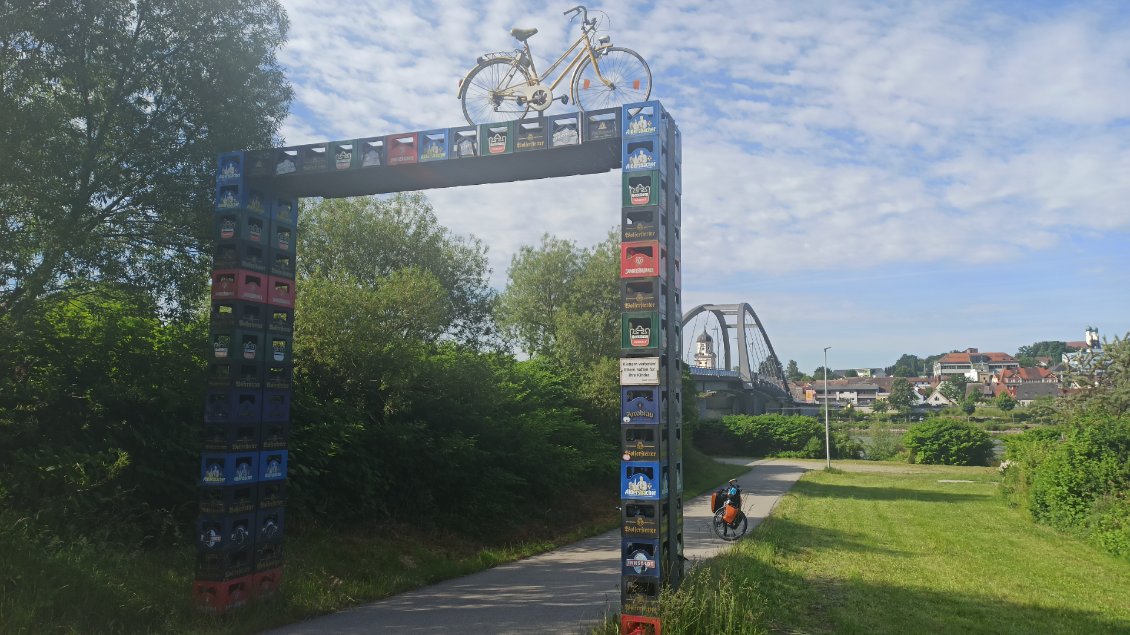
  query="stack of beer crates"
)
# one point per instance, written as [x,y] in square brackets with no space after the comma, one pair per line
[651,484]
[243,465]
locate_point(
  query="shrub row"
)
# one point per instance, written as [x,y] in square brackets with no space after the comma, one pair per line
[771,435]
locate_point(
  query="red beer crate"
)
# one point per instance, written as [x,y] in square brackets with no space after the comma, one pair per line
[402,148]
[220,597]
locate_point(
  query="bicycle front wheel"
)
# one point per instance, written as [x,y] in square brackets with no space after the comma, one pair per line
[624,78]
[489,94]
[727,531]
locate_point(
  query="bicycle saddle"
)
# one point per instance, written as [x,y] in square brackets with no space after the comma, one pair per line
[522,34]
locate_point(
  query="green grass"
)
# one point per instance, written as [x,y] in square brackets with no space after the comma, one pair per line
[867,552]
[75,586]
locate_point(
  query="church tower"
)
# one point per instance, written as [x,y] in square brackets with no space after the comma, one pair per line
[704,356]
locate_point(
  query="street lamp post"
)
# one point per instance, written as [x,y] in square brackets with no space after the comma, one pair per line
[827,428]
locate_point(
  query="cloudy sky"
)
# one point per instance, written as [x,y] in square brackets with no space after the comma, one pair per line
[878,177]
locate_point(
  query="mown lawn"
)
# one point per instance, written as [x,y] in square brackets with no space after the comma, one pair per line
[903,552]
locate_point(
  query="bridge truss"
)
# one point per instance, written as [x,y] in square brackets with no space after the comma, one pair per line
[744,346]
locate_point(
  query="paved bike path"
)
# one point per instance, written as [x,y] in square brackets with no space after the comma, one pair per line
[568,590]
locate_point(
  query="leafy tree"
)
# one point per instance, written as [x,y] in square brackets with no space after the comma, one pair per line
[818,374]
[881,406]
[1004,401]
[851,372]
[114,112]
[1052,349]
[969,404]
[770,367]
[563,301]
[907,366]
[364,242]
[792,371]
[902,396]
[953,388]
[948,442]
[1103,379]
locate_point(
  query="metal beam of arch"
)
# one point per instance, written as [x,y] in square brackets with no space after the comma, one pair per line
[740,311]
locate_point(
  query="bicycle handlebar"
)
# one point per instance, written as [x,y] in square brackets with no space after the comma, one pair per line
[582,10]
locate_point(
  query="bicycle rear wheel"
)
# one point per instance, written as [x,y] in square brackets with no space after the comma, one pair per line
[488,94]
[628,80]
[727,531]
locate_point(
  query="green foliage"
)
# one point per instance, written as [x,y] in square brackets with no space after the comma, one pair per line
[1052,349]
[771,435]
[907,366]
[1090,467]
[114,113]
[902,395]
[948,442]
[563,301]
[792,371]
[1103,379]
[382,244]
[99,411]
[953,388]
[884,444]
[1005,402]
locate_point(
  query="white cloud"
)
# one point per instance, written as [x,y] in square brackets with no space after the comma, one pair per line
[817,136]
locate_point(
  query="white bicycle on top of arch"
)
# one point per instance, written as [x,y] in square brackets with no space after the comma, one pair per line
[506,86]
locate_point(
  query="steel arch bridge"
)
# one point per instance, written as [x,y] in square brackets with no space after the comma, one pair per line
[748,377]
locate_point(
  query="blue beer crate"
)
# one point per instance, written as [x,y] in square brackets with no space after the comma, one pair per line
[641,405]
[640,557]
[229,167]
[284,210]
[259,163]
[644,118]
[232,406]
[231,196]
[272,465]
[644,153]
[278,375]
[268,556]
[434,145]
[641,481]
[225,545]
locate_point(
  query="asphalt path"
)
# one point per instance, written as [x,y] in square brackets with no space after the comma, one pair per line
[568,590]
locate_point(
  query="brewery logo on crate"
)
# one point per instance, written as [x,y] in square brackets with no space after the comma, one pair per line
[433,149]
[344,157]
[496,143]
[639,193]
[244,471]
[641,124]
[639,332]
[641,159]
[640,559]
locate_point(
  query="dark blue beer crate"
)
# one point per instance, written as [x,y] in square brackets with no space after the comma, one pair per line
[251,257]
[270,525]
[284,210]
[640,405]
[271,494]
[564,130]
[646,520]
[231,196]
[434,145]
[238,499]
[269,556]
[644,153]
[371,152]
[278,375]
[259,162]
[464,142]
[643,294]
[233,314]
[218,469]
[225,546]
[274,435]
[235,374]
[230,437]
[641,443]
[601,124]
[640,557]
[287,161]
[639,595]
[531,134]
[276,405]
[314,157]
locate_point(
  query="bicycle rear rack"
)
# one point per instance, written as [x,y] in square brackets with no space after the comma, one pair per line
[499,54]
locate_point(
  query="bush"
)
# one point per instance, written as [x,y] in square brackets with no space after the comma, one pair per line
[948,442]
[772,435]
[884,445]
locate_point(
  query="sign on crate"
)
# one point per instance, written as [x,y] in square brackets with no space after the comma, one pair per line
[639,371]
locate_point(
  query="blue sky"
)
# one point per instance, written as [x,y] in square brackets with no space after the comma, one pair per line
[878,177]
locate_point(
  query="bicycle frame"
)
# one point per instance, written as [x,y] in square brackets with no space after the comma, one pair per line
[574,64]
